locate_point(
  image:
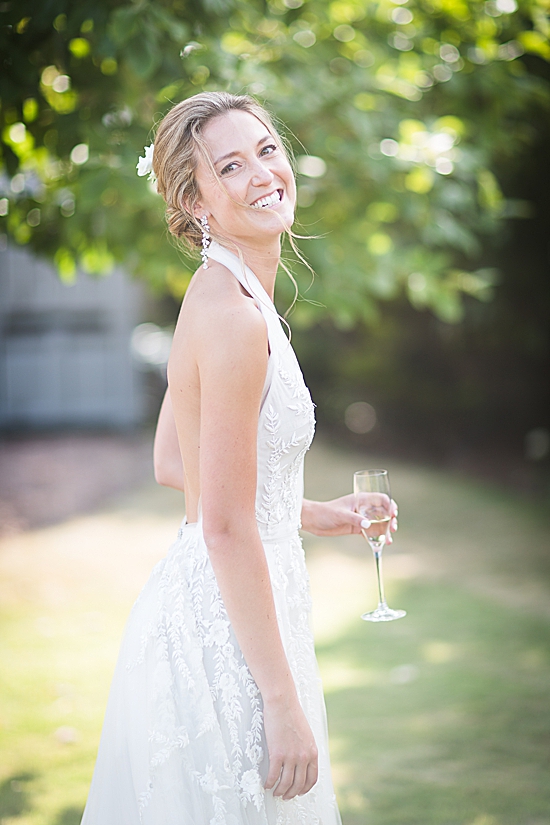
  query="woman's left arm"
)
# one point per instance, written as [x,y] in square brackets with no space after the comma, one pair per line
[166,451]
[337,517]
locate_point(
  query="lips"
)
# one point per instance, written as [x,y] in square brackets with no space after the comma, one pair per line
[268,200]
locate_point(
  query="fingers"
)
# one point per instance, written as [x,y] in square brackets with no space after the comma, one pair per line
[356,521]
[393,521]
[360,524]
[311,777]
[275,766]
[297,786]
[286,781]
[295,778]
[343,522]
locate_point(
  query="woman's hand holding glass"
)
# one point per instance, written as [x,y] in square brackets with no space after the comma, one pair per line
[374,504]
[340,517]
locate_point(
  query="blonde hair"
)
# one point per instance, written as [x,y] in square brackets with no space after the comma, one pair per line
[177,144]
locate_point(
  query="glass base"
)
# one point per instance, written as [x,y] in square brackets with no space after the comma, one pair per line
[383,613]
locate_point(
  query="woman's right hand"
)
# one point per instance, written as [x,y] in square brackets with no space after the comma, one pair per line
[293,763]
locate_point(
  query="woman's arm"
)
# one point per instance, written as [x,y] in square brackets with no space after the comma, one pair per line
[231,353]
[167,461]
[338,517]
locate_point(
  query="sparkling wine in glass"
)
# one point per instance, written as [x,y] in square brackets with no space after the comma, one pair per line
[373,502]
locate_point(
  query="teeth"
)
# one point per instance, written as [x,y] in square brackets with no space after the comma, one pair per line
[267,201]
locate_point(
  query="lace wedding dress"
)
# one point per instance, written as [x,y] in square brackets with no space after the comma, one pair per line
[183,740]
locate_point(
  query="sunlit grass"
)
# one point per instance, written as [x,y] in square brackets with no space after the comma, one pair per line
[442,718]
[452,722]
[56,672]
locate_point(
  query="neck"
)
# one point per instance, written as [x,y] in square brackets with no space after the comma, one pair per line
[263,261]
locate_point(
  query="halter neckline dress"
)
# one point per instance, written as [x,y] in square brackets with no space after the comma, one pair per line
[183,740]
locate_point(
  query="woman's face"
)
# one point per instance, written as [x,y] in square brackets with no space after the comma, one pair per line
[253,194]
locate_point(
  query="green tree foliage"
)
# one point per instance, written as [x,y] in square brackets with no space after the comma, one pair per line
[405,108]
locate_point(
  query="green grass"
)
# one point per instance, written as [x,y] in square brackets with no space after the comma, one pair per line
[53,691]
[442,718]
[451,730]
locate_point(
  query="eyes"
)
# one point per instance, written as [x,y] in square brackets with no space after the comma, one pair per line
[229,168]
[266,150]
[269,149]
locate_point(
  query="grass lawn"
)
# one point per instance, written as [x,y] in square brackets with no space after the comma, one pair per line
[441,718]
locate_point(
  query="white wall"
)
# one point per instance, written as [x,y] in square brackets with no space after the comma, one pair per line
[65,354]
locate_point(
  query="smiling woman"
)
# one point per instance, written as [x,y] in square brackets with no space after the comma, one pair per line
[190,141]
[216,714]
[248,191]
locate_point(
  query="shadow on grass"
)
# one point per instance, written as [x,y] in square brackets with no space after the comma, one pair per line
[442,718]
[15,798]
[69,816]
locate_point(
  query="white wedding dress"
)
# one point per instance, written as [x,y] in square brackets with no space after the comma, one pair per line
[183,740]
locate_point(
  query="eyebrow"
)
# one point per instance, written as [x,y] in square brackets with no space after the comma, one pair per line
[232,154]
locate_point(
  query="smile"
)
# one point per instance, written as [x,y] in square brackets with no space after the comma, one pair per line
[268,200]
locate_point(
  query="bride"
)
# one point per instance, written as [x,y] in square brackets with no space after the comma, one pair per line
[216,714]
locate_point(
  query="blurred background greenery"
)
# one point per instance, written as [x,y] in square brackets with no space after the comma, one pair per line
[421,134]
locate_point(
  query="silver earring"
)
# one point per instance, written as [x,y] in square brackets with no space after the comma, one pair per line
[206,241]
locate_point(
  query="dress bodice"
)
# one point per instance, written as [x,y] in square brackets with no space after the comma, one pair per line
[286,423]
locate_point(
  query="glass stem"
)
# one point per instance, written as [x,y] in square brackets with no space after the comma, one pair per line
[378,560]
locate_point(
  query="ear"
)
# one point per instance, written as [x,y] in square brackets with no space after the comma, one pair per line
[197,210]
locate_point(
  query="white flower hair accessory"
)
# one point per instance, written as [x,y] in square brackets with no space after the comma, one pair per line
[145,165]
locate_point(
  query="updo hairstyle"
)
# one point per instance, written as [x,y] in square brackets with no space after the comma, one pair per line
[177,144]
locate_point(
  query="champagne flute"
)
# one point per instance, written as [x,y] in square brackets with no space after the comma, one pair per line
[373,502]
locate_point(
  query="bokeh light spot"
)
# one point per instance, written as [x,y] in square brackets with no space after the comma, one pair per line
[448,53]
[62,83]
[151,344]
[442,72]
[382,211]
[306,38]
[506,6]
[444,166]
[344,33]
[537,444]
[311,166]
[363,58]
[360,417]
[417,282]
[402,16]
[419,180]
[379,244]
[17,132]
[80,154]
[389,147]
[33,218]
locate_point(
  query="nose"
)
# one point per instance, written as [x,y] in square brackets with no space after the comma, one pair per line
[261,174]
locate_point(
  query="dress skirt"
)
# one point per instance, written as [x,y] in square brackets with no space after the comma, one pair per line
[183,740]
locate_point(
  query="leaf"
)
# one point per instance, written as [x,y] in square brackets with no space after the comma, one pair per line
[143,55]
[123,25]
[66,265]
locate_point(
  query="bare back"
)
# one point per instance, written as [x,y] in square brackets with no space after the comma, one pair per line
[214,303]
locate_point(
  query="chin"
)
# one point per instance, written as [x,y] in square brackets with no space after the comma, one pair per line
[287,216]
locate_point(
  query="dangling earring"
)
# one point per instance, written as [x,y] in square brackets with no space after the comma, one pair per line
[206,241]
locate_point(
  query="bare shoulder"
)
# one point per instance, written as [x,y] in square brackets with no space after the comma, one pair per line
[218,319]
